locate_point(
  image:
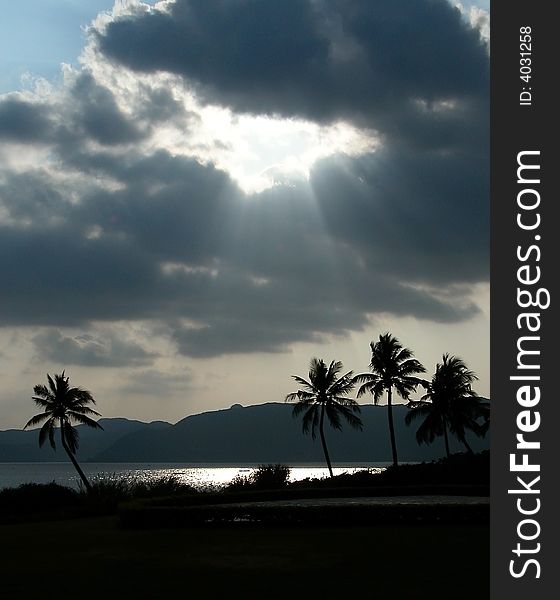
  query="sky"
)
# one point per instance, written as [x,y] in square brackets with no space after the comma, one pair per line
[198,197]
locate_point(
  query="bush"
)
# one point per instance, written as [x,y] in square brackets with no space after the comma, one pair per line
[460,468]
[265,477]
[166,485]
[271,476]
[110,490]
[37,498]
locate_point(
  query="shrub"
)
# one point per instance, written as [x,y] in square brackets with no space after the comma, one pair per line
[265,477]
[109,489]
[166,485]
[271,476]
[31,498]
[112,489]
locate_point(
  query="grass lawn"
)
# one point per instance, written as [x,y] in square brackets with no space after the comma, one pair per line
[95,558]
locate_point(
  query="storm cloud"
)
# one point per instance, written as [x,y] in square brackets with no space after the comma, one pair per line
[121,226]
[22,121]
[326,60]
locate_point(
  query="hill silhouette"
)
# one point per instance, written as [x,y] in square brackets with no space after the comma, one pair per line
[17,445]
[264,433]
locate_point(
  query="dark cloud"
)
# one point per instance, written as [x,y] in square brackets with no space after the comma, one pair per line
[423,217]
[158,105]
[98,115]
[254,273]
[32,195]
[90,351]
[23,121]
[273,317]
[402,230]
[240,47]
[366,61]
[88,111]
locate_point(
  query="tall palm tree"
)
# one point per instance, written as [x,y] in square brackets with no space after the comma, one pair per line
[392,366]
[450,405]
[62,405]
[325,394]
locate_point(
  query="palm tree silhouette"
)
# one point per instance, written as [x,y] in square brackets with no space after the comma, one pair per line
[450,405]
[62,405]
[325,394]
[392,366]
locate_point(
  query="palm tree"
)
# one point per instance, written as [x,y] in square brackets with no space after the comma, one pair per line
[392,366]
[450,405]
[325,394]
[62,405]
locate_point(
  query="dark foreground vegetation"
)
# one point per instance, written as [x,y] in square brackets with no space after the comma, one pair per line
[337,551]
[268,498]
[408,562]
[463,470]
[460,474]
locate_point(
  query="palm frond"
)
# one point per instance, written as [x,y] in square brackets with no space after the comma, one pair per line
[79,396]
[301,406]
[410,367]
[300,396]
[51,437]
[42,402]
[365,378]
[430,428]
[484,428]
[366,388]
[306,384]
[37,419]
[71,436]
[52,384]
[352,419]
[348,402]
[334,369]
[83,419]
[403,355]
[333,415]
[47,431]
[421,410]
[317,370]
[84,410]
[376,388]
[42,390]
[342,386]
[310,420]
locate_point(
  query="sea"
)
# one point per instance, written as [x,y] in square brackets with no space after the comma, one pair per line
[200,476]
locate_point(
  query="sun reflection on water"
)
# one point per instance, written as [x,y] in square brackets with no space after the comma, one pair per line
[216,477]
[199,476]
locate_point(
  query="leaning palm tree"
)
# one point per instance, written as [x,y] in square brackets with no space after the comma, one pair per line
[62,405]
[450,405]
[325,394]
[392,366]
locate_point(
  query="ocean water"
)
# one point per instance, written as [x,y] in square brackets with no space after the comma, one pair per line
[197,475]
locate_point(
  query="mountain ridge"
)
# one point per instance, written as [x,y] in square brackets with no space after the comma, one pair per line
[262,433]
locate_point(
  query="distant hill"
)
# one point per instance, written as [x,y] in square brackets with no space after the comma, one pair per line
[265,433]
[23,446]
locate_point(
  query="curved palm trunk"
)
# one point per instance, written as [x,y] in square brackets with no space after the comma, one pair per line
[391,426]
[466,444]
[73,460]
[323,441]
[446,438]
